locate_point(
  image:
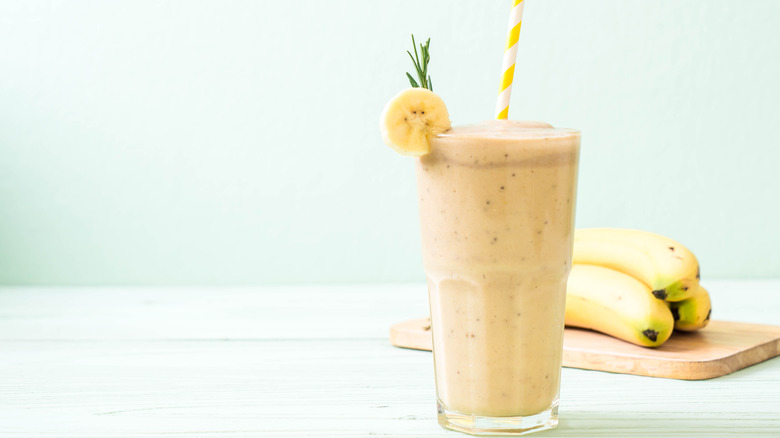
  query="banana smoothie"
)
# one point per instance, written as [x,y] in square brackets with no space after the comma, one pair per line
[497,206]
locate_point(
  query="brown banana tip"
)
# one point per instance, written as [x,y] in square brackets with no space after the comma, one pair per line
[660,294]
[651,334]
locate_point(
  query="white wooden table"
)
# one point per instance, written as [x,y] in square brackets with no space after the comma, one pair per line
[310,361]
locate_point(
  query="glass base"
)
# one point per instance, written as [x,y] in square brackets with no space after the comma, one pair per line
[486,426]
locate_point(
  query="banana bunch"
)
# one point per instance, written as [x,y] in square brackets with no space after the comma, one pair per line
[634,285]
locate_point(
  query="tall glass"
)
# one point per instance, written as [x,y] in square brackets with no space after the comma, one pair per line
[497,219]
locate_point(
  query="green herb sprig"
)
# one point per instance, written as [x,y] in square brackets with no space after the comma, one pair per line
[421,67]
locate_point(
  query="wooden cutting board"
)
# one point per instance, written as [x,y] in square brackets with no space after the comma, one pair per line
[716,350]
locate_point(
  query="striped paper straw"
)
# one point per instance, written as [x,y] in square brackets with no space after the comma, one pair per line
[510,55]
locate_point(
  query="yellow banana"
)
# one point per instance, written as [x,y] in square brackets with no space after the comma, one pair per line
[692,313]
[668,268]
[617,304]
[411,118]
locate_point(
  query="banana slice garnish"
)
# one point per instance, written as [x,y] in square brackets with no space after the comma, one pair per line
[411,118]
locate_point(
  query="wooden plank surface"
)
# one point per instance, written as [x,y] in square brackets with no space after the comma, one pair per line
[309,361]
[721,348]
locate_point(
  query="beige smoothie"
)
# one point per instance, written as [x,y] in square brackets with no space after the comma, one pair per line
[497,210]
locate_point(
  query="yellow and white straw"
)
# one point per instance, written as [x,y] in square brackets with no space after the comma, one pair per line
[510,55]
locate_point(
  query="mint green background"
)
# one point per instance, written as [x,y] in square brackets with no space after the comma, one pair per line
[194,142]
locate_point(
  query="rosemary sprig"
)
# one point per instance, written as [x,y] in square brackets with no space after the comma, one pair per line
[421,67]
